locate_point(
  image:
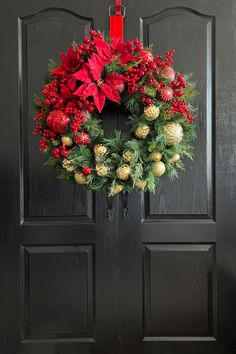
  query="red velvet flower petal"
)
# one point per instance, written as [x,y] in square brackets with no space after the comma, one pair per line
[65,62]
[110,93]
[91,90]
[96,66]
[80,90]
[103,49]
[83,74]
[71,82]
[99,100]
[114,79]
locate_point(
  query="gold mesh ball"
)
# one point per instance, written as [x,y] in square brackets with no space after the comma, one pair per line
[173,133]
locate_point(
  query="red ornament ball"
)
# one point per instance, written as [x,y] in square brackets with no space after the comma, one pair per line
[82,139]
[57,121]
[86,171]
[166,93]
[168,73]
[145,56]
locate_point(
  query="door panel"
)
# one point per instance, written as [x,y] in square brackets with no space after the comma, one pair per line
[162,279]
[192,35]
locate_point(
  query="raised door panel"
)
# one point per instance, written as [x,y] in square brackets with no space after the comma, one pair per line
[43,197]
[191,34]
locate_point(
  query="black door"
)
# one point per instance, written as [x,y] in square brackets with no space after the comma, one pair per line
[162,279]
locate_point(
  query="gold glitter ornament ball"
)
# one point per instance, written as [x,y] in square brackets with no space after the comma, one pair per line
[156,156]
[80,178]
[67,165]
[151,112]
[142,131]
[158,168]
[102,169]
[118,188]
[173,133]
[175,158]
[127,155]
[66,141]
[141,185]
[123,172]
[99,150]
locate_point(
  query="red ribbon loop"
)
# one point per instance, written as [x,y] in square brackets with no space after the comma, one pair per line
[116,22]
[118,7]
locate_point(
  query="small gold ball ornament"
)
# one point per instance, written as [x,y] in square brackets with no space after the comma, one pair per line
[102,169]
[123,172]
[175,158]
[67,165]
[127,155]
[151,112]
[100,150]
[141,185]
[66,140]
[80,178]
[158,168]
[173,133]
[118,188]
[142,131]
[156,156]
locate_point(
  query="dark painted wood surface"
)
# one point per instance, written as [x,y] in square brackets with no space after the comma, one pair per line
[161,280]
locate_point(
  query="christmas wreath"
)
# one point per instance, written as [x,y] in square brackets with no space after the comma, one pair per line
[157,101]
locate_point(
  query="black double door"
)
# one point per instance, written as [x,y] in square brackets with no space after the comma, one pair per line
[162,279]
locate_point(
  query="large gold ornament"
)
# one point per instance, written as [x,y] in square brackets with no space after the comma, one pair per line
[141,185]
[173,133]
[102,169]
[158,168]
[66,140]
[127,155]
[67,165]
[118,188]
[123,172]
[156,156]
[100,150]
[142,131]
[175,158]
[80,178]
[151,112]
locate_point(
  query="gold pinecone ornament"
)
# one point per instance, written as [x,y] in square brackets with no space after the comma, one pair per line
[156,156]
[99,150]
[158,168]
[173,133]
[127,155]
[66,140]
[67,165]
[141,185]
[102,169]
[175,158]
[80,178]
[118,188]
[123,172]
[142,131]
[151,112]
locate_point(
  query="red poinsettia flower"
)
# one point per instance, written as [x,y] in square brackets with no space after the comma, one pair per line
[116,49]
[120,49]
[94,85]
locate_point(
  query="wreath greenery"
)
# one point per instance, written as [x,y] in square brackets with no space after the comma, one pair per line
[156,98]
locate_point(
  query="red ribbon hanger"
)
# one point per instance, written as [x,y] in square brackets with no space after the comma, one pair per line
[117,21]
